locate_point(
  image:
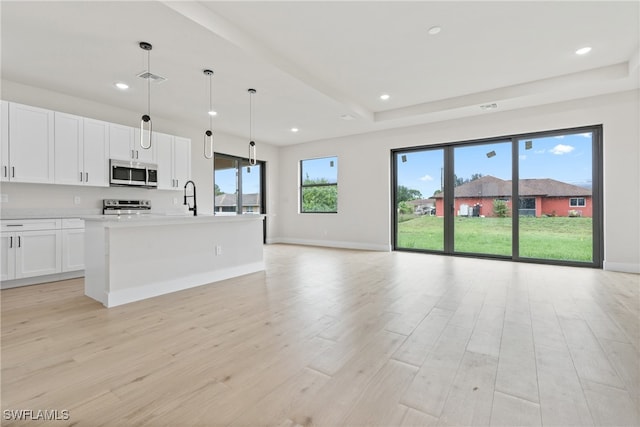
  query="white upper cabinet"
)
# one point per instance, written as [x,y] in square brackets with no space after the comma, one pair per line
[147,155]
[4,136]
[96,153]
[164,152]
[174,161]
[121,142]
[181,160]
[31,144]
[81,151]
[68,137]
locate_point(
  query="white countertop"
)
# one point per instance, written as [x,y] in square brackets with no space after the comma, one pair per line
[123,221]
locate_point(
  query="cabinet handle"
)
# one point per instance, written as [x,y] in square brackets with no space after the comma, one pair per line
[19,242]
[10,242]
[5,172]
[137,154]
[133,156]
[13,171]
[14,225]
[86,177]
[80,176]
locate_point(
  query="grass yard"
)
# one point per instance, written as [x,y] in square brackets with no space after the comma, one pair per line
[558,238]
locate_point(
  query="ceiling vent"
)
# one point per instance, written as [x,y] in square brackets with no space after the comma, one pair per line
[150,76]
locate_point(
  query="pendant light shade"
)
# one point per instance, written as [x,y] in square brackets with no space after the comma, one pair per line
[252,143]
[145,143]
[208,135]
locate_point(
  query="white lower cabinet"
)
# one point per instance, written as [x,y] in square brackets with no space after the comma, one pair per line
[31,248]
[32,253]
[72,245]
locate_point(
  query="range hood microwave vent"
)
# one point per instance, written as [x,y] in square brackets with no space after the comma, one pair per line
[150,76]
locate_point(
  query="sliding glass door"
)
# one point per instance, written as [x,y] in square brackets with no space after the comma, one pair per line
[238,186]
[556,197]
[418,189]
[482,198]
[532,197]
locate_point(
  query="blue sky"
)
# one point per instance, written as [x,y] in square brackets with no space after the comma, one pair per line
[564,158]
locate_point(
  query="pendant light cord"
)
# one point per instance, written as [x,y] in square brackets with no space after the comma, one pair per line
[149,83]
[250,116]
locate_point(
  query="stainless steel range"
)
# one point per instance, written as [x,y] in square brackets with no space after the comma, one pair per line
[125,207]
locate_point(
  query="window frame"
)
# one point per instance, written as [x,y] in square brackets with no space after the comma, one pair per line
[577,204]
[302,185]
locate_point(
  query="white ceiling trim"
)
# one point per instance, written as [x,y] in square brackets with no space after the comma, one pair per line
[551,85]
[223,28]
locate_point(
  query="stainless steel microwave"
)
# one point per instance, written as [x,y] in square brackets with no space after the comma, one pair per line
[122,172]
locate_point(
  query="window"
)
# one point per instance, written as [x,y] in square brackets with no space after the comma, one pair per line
[504,197]
[575,202]
[319,185]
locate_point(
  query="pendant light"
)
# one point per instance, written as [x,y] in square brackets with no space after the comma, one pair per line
[252,144]
[208,135]
[146,118]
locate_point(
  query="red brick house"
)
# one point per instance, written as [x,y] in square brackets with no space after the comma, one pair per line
[538,197]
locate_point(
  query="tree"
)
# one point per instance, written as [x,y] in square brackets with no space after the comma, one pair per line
[460,181]
[404,194]
[217,190]
[323,198]
[500,208]
[405,208]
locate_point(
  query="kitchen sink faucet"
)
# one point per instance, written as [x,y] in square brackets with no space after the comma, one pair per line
[195,206]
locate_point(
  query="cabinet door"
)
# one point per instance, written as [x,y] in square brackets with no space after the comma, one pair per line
[7,256]
[164,155]
[31,147]
[144,155]
[4,137]
[38,253]
[96,153]
[68,140]
[73,249]
[120,142]
[182,160]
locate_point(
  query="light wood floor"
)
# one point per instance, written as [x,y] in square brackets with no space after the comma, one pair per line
[336,338]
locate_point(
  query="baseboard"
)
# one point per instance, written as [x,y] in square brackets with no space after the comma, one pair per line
[27,281]
[126,296]
[332,244]
[622,267]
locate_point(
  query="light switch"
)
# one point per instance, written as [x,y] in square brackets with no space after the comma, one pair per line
[76,200]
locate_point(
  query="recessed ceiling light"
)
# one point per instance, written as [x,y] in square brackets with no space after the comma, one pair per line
[294,129]
[213,113]
[384,96]
[434,30]
[121,86]
[583,50]
[347,117]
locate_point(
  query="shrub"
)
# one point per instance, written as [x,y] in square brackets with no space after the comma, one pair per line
[500,208]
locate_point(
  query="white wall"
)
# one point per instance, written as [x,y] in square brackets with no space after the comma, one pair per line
[61,197]
[364,163]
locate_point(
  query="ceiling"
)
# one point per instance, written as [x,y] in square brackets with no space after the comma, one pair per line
[314,63]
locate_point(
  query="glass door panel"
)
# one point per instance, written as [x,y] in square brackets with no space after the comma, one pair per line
[419,200]
[555,188]
[251,185]
[483,199]
[225,180]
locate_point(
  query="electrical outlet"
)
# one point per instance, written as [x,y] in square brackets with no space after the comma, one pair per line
[175,200]
[76,200]
[218,250]
[4,198]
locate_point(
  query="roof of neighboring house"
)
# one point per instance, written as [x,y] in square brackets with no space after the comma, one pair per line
[422,202]
[490,186]
[230,200]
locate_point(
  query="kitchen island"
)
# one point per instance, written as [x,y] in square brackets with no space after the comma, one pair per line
[131,258]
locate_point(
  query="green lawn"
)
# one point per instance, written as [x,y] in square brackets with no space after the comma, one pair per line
[557,238]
